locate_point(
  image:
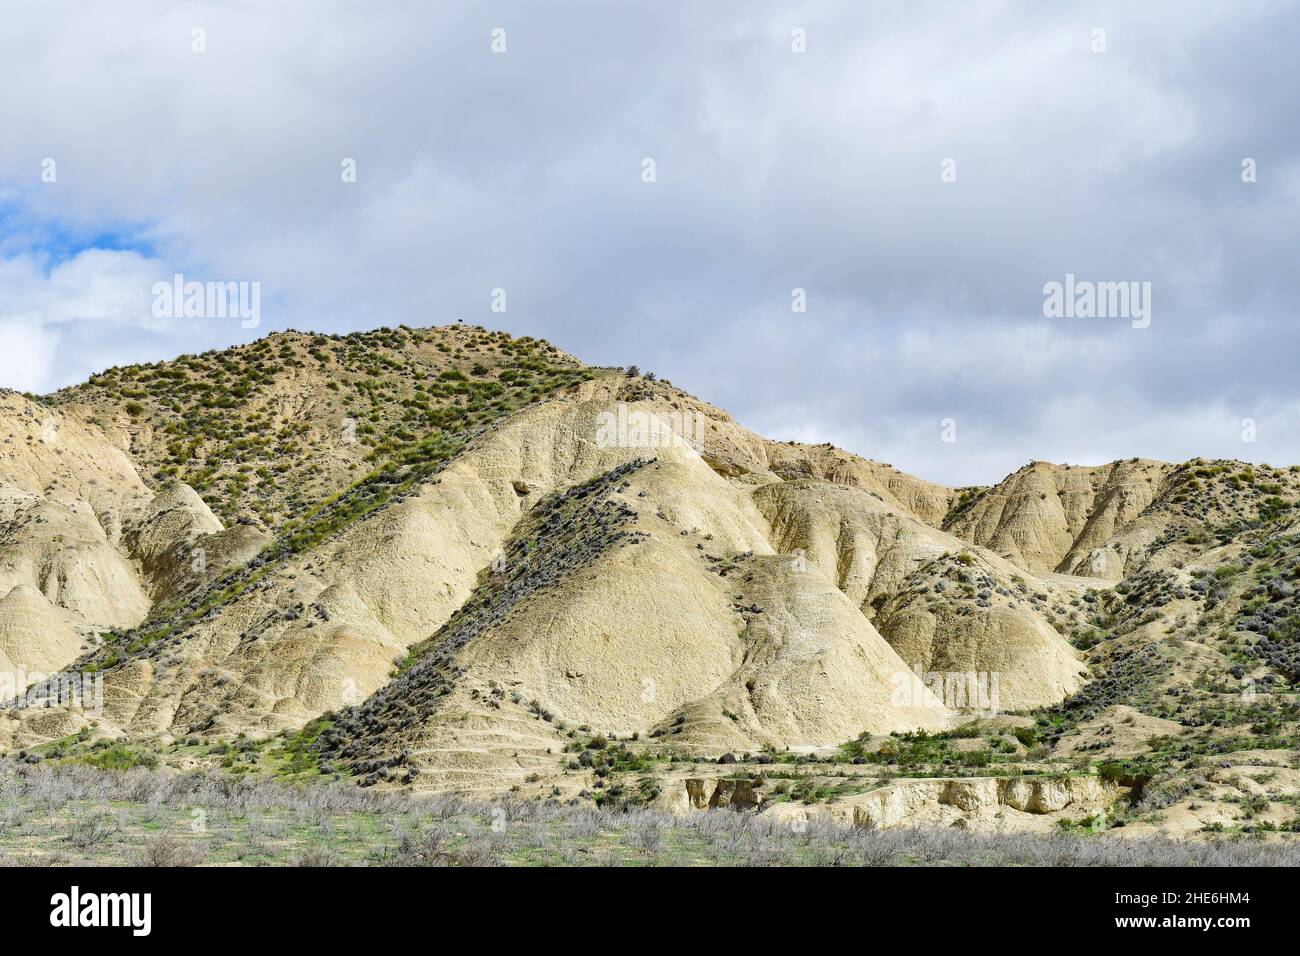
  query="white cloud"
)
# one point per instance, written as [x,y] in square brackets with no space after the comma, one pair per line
[94,285]
[108,290]
[27,350]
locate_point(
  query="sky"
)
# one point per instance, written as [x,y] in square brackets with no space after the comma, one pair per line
[921,171]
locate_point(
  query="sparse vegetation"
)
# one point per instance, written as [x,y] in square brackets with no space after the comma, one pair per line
[183,819]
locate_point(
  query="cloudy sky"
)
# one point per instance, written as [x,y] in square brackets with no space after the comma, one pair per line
[920,169]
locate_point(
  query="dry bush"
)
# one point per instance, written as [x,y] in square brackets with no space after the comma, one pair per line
[91,830]
[315,857]
[477,851]
[166,850]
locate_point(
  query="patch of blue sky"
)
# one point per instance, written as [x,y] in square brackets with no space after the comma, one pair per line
[53,241]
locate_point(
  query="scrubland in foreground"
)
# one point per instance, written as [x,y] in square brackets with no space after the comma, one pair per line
[83,816]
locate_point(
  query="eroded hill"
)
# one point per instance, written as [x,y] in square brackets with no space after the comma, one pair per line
[450,559]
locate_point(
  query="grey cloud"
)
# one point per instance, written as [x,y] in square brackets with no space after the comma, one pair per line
[775,170]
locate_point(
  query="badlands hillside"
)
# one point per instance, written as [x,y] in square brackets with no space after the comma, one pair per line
[447,559]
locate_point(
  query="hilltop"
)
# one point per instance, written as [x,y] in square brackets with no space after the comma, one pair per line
[265,431]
